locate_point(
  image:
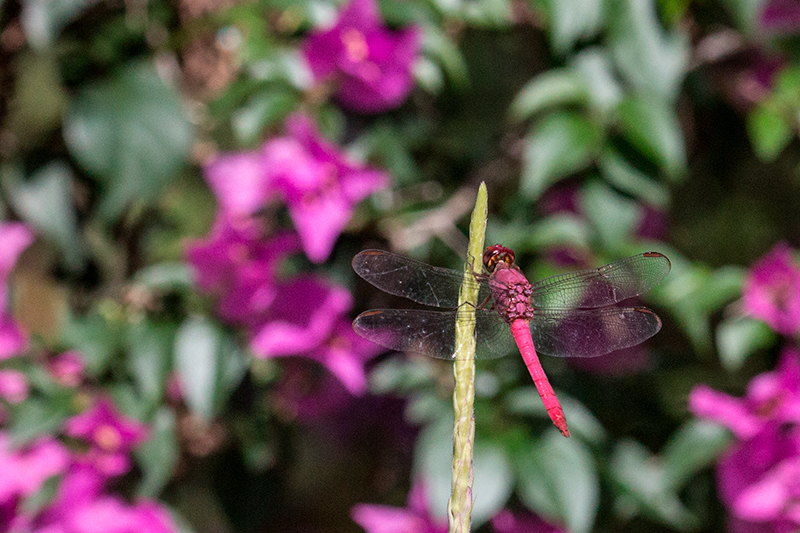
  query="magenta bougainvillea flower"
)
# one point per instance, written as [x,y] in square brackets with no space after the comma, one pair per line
[13,386]
[111,436]
[67,368]
[521,522]
[370,65]
[774,498]
[151,517]
[766,426]
[414,518]
[14,238]
[344,353]
[239,265]
[308,318]
[240,182]
[103,513]
[781,16]
[772,398]
[302,317]
[81,484]
[772,291]
[318,183]
[22,472]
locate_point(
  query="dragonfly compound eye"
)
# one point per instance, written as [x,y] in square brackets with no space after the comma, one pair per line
[496,253]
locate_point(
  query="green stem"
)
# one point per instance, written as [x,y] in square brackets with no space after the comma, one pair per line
[460,505]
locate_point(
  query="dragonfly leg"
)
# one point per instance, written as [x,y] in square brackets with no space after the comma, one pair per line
[486,301]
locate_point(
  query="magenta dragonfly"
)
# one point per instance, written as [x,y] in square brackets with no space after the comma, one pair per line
[568,315]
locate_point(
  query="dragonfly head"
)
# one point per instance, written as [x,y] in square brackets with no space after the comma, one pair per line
[497,254]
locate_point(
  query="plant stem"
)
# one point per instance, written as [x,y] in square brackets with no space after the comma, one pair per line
[459,508]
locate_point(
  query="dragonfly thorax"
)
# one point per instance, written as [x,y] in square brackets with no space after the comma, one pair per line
[511,293]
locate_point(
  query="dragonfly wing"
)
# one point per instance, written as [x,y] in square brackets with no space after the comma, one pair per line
[599,287]
[494,338]
[591,332]
[433,333]
[415,280]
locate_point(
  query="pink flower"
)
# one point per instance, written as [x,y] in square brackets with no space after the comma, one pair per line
[319,184]
[13,386]
[240,182]
[151,517]
[240,266]
[81,484]
[370,65]
[766,423]
[14,238]
[22,472]
[747,465]
[344,353]
[110,514]
[514,522]
[772,291]
[307,319]
[111,436]
[781,16]
[67,368]
[772,398]
[303,316]
[774,498]
[415,518]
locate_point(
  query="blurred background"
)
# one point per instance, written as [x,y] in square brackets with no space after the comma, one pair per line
[183,185]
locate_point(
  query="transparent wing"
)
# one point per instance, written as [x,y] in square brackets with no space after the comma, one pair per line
[591,332]
[599,287]
[415,280]
[433,333]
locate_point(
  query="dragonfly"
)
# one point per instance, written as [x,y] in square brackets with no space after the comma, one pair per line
[566,315]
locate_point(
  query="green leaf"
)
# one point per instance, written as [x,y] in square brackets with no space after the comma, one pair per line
[399,375]
[624,176]
[38,416]
[595,67]
[645,488]
[551,88]
[262,111]
[720,287]
[559,229]
[43,20]
[149,357]
[158,456]
[44,202]
[209,365]
[651,125]
[233,367]
[746,13]
[559,145]
[652,60]
[433,457]
[582,423]
[770,131]
[614,216]
[197,350]
[438,46]
[131,132]
[572,20]
[738,338]
[165,276]
[557,479]
[693,447]
[96,338]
